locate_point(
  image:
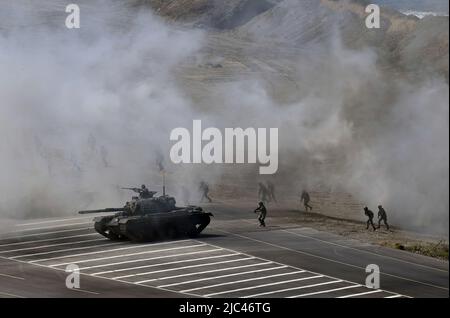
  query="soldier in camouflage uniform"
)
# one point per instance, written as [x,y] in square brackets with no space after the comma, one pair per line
[370,215]
[305,198]
[382,216]
[262,214]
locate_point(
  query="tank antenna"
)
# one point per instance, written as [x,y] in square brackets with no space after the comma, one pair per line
[164,182]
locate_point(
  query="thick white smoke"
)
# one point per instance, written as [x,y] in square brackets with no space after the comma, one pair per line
[83,113]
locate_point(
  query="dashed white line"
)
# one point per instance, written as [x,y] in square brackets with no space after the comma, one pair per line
[241,281]
[325,291]
[223,276]
[162,264]
[361,294]
[295,288]
[183,267]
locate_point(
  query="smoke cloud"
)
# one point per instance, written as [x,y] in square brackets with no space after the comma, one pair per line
[83,113]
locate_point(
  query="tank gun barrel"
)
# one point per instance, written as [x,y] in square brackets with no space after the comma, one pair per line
[101,210]
[132,189]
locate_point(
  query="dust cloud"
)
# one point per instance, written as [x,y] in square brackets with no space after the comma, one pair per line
[84,113]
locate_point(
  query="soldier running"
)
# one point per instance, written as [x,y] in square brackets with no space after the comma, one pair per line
[305,198]
[271,191]
[382,216]
[370,215]
[204,188]
[262,214]
[263,192]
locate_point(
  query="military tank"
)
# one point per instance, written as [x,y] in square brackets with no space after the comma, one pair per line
[143,219]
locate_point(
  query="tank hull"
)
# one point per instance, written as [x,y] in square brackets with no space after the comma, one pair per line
[171,224]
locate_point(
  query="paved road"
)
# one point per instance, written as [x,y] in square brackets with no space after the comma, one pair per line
[234,258]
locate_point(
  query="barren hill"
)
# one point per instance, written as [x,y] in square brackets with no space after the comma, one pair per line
[403,41]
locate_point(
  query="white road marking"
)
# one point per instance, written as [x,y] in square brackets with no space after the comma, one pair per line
[52,221]
[170,262]
[295,288]
[68,249]
[87,275]
[325,291]
[204,272]
[364,251]
[241,281]
[44,233]
[294,267]
[116,256]
[54,226]
[52,245]
[107,251]
[12,276]
[11,295]
[84,291]
[223,276]
[257,286]
[361,294]
[394,296]
[142,260]
[162,264]
[183,267]
[47,240]
[329,259]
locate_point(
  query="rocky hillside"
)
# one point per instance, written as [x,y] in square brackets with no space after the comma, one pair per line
[404,43]
[217,14]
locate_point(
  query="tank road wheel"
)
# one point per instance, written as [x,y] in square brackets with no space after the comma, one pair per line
[193,231]
[136,237]
[101,228]
[171,232]
[151,235]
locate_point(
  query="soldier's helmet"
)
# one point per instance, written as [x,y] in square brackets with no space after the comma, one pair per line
[366,208]
[260,203]
[143,186]
[380,206]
